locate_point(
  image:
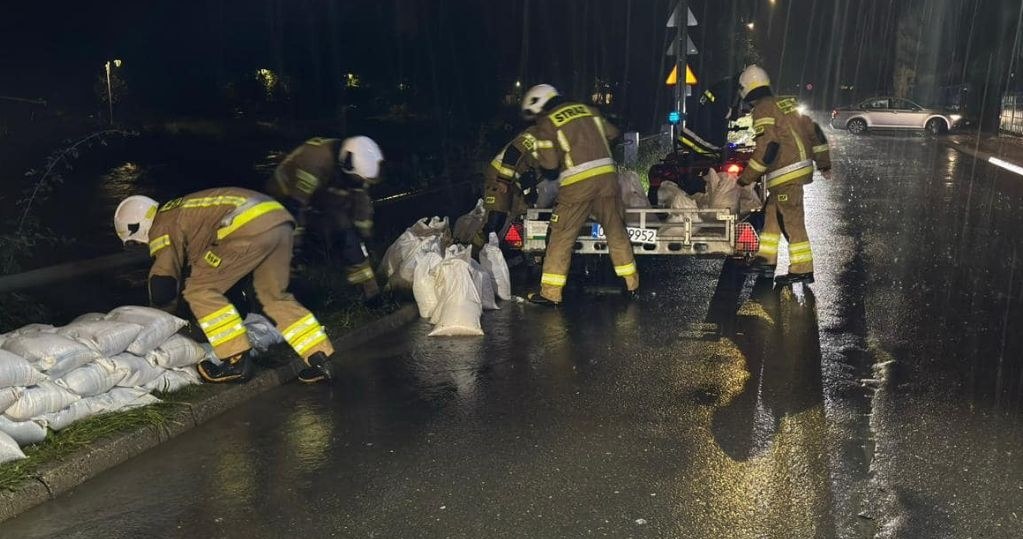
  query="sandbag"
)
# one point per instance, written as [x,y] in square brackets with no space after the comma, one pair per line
[396,255]
[469,225]
[492,260]
[180,351]
[33,328]
[632,191]
[173,380]
[88,317]
[749,202]
[670,195]
[8,396]
[484,286]
[424,283]
[108,337]
[722,192]
[23,432]
[51,353]
[157,326]
[77,411]
[17,371]
[441,229]
[139,370]
[408,267]
[9,449]
[40,399]
[119,398]
[93,379]
[547,193]
[459,306]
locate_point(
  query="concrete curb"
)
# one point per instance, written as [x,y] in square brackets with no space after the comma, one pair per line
[59,477]
[987,157]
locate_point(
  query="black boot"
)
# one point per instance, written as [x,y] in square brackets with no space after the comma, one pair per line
[539,299]
[793,278]
[317,371]
[237,369]
[760,265]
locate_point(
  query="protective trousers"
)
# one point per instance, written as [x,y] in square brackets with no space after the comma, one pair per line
[267,257]
[784,215]
[600,198]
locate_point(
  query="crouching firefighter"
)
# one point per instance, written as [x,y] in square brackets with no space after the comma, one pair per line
[576,145]
[330,179]
[221,235]
[506,180]
[787,146]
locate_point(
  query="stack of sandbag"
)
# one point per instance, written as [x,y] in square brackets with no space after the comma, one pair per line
[722,192]
[670,195]
[399,262]
[52,377]
[470,224]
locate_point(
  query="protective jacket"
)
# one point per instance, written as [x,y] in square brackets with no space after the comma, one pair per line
[787,144]
[311,177]
[573,139]
[510,173]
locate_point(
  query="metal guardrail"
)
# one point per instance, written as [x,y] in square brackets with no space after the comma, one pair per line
[71,270]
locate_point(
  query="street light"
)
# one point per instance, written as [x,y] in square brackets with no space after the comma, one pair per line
[110,92]
[749,26]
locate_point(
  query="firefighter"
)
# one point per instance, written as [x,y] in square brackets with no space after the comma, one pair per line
[787,146]
[510,173]
[332,176]
[221,235]
[572,138]
[705,133]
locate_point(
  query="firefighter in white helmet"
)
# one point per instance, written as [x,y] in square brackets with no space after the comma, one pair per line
[787,146]
[572,139]
[222,235]
[325,182]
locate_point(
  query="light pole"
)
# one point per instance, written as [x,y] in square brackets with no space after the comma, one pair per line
[110,92]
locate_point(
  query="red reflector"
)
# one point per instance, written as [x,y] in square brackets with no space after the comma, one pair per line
[514,236]
[734,168]
[746,239]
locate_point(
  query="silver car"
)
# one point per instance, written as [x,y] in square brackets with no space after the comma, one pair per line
[892,113]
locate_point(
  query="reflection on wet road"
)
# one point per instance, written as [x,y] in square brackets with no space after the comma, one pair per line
[884,399]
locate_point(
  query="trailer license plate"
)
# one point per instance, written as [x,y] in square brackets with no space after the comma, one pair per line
[636,235]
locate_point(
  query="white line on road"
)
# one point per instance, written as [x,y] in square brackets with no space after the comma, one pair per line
[1006,165]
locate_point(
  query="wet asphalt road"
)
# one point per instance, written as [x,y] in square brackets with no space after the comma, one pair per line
[883,400]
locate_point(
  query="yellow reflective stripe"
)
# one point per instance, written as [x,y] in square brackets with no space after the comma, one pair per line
[801,246]
[206,202]
[693,146]
[360,274]
[710,96]
[363,224]
[231,333]
[820,148]
[553,279]
[217,317]
[159,243]
[763,121]
[300,327]
[565,147]
[603,136]
[626,270]
[244,217]
[547,144]
[769,237]
[310,340]
[794,175]
[800,258]
[587,174]
[799,143]
[307,181]
[755,165]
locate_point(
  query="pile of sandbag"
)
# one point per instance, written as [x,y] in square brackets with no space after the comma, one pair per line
[52,377]
[399,263]
[722,192]
[452,290]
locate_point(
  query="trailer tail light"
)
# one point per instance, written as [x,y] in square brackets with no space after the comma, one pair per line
[734,168]
[746,239]
[514,236]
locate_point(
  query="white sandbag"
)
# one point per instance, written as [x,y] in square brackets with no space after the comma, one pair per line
[469,225]
[140,370]
[24,432]
[124,398]
[157,326]
[408,267]
[180,351]
[484,286]
[262,335]
[748,200]
[51,353]
[173,380]
[40,399]
[9,449]
[88,317]
[17,371]
[632,191]
[33,328]
[74,413]
[424,283]
[722,191]
[547,193]
[93,379]
[459,307]
[670,195]
[441,229]
[492,260]
[108,337]
[401,250]
[8,396]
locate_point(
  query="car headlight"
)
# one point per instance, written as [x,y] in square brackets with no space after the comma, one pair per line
[801,108]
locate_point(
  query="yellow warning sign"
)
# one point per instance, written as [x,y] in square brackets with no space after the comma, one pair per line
[673,76]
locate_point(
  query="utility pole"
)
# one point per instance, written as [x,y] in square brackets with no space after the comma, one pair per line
[681,44]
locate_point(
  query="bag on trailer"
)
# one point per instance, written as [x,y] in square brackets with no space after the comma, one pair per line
[722,192]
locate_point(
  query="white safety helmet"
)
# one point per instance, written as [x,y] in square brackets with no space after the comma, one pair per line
[360,156]
[535,99]
[751,78]
[133,218]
